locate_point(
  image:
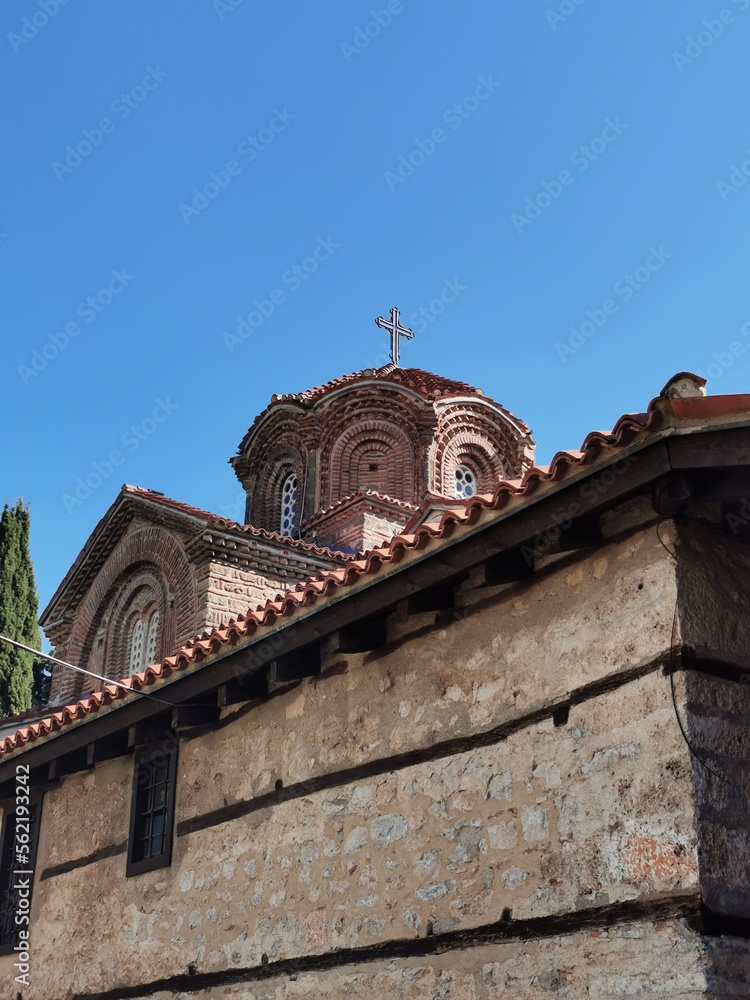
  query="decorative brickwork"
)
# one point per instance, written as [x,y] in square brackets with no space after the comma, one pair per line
[470,433]
[396,432]
[366,449]
[363,521]
[148,565]
[151,554]
[279,449]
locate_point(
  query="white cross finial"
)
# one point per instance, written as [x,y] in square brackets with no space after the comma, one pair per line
[396,331]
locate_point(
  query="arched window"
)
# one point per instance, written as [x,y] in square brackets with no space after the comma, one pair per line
[144,635]
[135,655]
[288,505]
[465,482]
[152,635]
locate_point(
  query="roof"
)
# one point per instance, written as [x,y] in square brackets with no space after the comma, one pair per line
[426,384]
[96,549]
[363,494]
[223,522]
[676,413]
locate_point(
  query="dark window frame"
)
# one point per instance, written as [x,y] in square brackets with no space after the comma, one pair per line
[149,759]
[7,860]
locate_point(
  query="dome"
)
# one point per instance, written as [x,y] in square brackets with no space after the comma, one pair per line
[347,463]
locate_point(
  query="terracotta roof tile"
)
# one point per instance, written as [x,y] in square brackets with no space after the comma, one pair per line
[362,493]
[225,523]
[426,384]
[370,563]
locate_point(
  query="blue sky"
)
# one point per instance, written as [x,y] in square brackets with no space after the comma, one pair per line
[554,193]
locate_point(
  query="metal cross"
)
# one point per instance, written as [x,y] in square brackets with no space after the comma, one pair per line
[396,331]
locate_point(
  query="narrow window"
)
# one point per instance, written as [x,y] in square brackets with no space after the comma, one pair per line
[135,659]
[18,843]
[372,471]
[151,645]
[288,505]
[152,806]
[465,482]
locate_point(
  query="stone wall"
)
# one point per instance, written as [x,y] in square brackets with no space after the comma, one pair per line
[634,959]
[505,781]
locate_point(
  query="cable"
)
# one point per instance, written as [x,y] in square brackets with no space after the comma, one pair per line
[304,494]
[664,544]
[672,671]
[88,673]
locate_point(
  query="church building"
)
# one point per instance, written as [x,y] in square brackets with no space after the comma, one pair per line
[434,721]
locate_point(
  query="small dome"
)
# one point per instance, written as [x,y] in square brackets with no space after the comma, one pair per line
[366,448]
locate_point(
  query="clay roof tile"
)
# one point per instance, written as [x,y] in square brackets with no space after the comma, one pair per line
[327,582]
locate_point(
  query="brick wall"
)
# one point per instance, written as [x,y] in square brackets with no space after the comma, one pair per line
[144,546]
[379,437]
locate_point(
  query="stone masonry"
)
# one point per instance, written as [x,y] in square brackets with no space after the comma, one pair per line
[507,779]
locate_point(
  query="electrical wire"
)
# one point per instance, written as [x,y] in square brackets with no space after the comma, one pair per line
[89,673]
[672,671]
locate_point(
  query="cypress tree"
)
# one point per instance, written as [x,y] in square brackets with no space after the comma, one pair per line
[20,672]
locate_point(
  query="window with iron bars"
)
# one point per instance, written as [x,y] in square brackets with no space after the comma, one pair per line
[152,806]
[12,866]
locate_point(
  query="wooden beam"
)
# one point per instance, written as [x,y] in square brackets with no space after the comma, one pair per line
[40,782]
[507,567]
[361,637]
[68,763]
[150,729]
[243,688]
[108,748]
[437,598]
[294,666]
[190,716]
[726,448]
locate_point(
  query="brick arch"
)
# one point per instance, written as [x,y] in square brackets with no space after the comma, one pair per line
[278,448]
[153,547]
[392,451]
[476,452]
[470,435]
[395,423]
[141,591]
[282,459]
